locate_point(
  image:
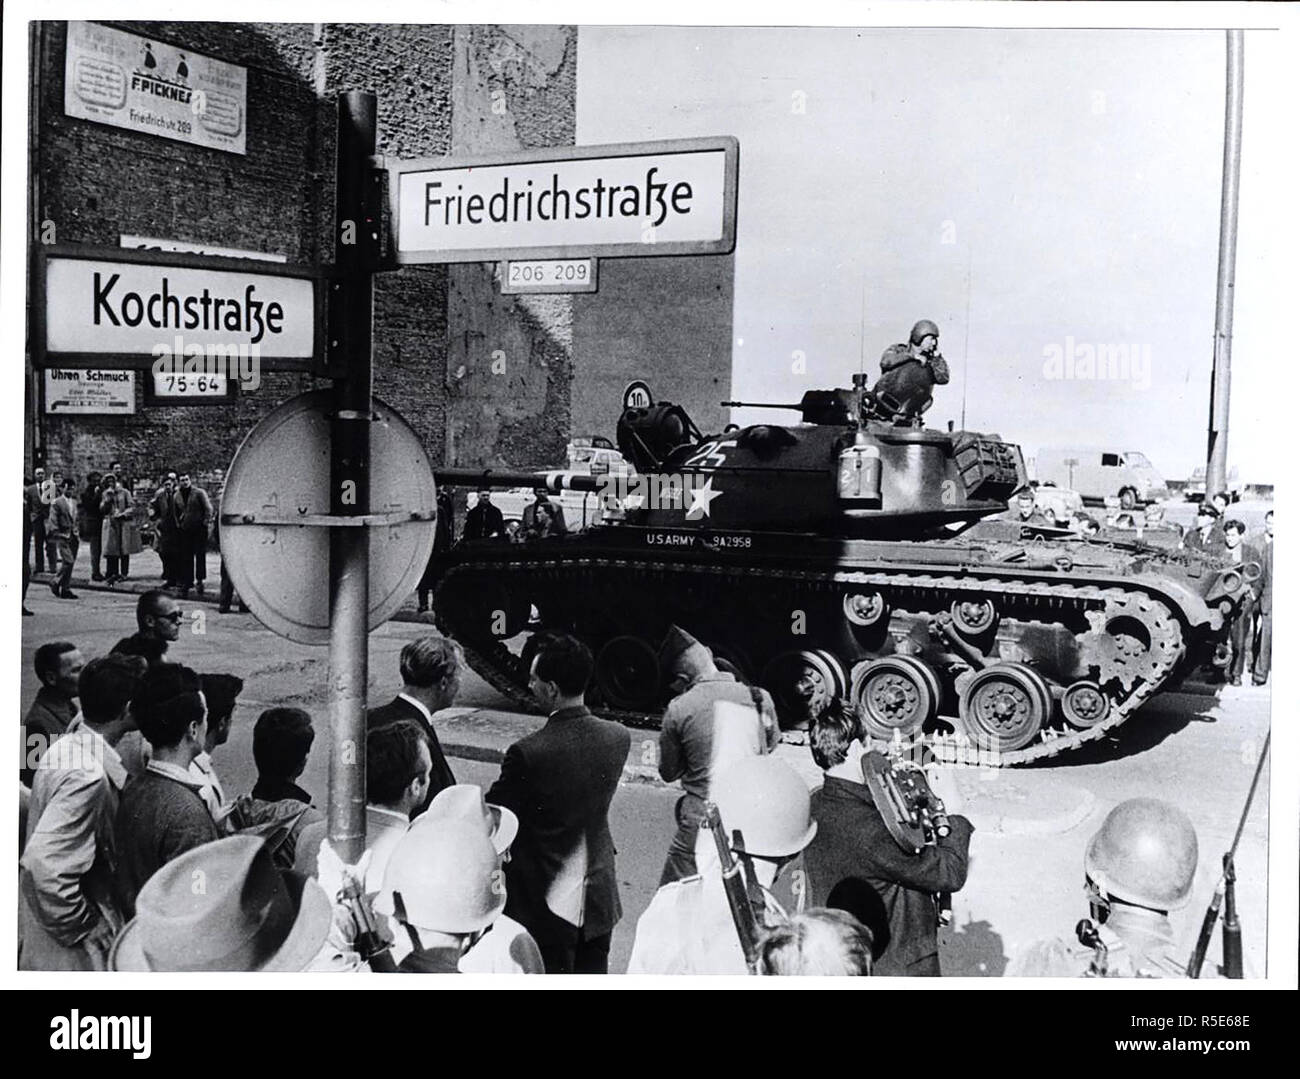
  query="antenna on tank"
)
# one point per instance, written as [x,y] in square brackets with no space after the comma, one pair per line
[862,331]
[965,344]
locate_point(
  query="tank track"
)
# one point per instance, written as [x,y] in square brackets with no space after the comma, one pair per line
[1093,601]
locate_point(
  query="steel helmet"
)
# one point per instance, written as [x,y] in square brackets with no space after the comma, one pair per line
[769,804]
[923,329]
[1144,853]
[448,877]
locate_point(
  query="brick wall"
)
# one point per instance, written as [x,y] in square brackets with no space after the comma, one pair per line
[482,377]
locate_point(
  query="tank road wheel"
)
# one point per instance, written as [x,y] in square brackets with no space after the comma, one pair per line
[1084,705]
[972,617]
[865,608]
[627,673]
[1133,640]
[803,684]
[1004,707]
[895,694]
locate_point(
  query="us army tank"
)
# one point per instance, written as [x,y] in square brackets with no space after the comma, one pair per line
[847,555]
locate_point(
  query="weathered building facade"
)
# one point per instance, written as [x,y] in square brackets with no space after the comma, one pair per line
[484,378]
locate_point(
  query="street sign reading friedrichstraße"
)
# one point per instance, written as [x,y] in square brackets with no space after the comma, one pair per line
[675,197]
[115,308]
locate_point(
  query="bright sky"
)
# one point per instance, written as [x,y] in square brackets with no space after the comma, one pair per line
[1062,186]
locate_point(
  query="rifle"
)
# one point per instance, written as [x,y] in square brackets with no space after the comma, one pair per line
[1225,896]
[369,944]
[734,883]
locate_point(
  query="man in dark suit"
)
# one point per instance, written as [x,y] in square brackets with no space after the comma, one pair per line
[560,880]
[855,865]
[484,520]
[430,670]
[193,511]
[1262,650]
[1242,631]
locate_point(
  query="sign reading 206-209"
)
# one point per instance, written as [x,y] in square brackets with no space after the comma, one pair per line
[676,197]
[112,77]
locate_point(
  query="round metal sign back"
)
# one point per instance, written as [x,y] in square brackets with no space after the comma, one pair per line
[281,473]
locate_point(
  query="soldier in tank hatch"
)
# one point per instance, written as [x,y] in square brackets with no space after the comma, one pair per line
[909,372]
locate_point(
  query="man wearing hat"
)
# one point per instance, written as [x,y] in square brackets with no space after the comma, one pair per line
[444,892]
[506,947]
[688,927]
[712,721]
[1207,536]
[560,781]
[249,916]
[162,813]
[855,865]
[909,372]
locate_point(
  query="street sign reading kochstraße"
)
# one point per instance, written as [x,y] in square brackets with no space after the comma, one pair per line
[129,309]
[676,197]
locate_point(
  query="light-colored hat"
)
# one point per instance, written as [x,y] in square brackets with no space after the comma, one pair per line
[464,802]
[445,876]
[247,915]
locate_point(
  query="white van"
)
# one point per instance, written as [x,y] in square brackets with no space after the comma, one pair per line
[1100,473]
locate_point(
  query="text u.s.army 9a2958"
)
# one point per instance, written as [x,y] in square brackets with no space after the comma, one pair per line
[832,558]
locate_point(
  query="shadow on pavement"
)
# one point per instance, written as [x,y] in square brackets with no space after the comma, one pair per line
[972,950]
[1147,728]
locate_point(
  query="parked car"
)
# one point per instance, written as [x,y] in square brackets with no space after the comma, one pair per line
[1058,504]
[586,456]
[1098,473]
[1194,491]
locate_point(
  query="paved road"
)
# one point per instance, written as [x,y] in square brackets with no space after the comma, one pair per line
[1032,823]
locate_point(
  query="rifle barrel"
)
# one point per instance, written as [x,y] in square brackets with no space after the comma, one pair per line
[759,404]
[1250,797]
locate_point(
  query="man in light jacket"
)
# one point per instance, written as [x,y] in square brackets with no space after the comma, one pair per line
[67,917]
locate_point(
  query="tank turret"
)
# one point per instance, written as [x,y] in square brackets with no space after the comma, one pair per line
[832,559]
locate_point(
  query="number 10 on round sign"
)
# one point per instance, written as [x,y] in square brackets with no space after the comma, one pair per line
[548,275]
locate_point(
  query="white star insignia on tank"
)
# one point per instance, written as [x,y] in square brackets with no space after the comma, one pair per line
[701,498]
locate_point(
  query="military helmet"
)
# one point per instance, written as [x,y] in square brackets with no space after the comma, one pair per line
[765,800]
[923,329]
[1144,853]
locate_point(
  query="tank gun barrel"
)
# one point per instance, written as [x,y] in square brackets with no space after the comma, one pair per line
[493,478]
[759,404]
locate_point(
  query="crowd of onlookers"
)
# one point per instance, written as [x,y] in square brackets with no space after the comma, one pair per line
[125,808]
[116,516]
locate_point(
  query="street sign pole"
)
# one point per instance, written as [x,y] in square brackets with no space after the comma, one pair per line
[1216,468]
[356,253]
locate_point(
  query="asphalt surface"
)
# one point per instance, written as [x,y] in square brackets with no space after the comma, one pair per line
[1032,823]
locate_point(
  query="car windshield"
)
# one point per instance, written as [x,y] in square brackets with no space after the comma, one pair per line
[1139,460]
